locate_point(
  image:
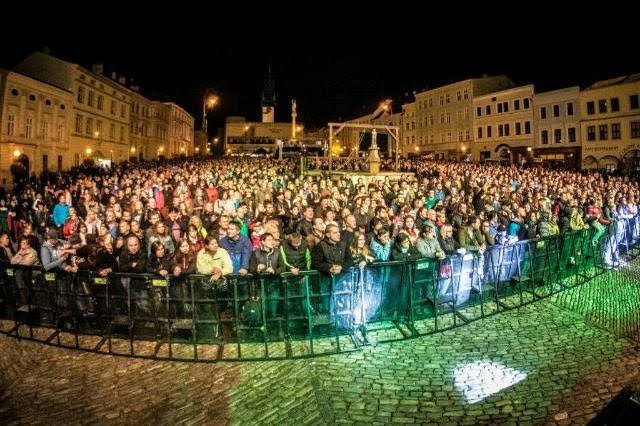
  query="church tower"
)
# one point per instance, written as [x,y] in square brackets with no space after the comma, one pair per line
[268,100]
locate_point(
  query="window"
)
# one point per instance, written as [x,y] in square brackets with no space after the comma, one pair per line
[407,125]
[500,130]
[113,107]
[527,127]
[466,94]
[99,127]
[448,136]
[557,135]
[76,159]
[448,98]
[488,131]
[442,118]
[467,135]
[413,126]
[78,124]
[28,128]
[499,108]
[615,105]
[591,108]
[516,104]
[459,135]
[47,102]
[556,110]
[90,98]
[459,96]
[413,139]
[458,116]
[14,92]
[635,129]
[572,134]
[633,102]
[121,133]
[407,138]
[525,101]
[62,107]
[603,131]
[479,132]
[448,117]
[100,102]
[60,134]
[11,124]
[505,106]
[543,112]
[466,113]
[506,129]
[32,98]
[518,128]
[81,95]
[544,137]
[44,130]
[570,108]
[123,110]
[615,129]
[591,133]
[430,119]
[441,100]
[487,110]
[602,106]
[45,163]
[88,126]
[430,102]
[59,163]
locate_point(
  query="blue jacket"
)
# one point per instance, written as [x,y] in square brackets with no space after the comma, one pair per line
[60,214]
[380,252]
[239,250]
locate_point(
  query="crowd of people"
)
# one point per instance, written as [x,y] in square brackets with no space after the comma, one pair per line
[259,216]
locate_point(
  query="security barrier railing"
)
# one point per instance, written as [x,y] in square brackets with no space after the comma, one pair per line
[287,316]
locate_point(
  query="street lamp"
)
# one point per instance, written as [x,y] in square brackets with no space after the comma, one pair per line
[17,153]
[210,101]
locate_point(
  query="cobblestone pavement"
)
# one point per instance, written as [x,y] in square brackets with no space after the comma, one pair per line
[540,364]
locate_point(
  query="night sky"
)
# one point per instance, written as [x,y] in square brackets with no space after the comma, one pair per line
[346,70]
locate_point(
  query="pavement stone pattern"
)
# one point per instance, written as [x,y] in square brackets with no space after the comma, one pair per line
[568,370]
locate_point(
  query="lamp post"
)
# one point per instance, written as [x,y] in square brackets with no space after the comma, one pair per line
[210,101]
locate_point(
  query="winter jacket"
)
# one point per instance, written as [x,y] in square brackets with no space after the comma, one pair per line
[291,257]
[428,248]
[382,253]
[205,262]
[269,258]
[239,251]
[328,253]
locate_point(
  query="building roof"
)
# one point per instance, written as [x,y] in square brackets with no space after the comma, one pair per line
[631,78]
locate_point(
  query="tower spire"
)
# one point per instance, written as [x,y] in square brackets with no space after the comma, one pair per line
[268,98]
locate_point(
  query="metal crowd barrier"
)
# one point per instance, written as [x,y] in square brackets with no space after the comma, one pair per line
[288,316]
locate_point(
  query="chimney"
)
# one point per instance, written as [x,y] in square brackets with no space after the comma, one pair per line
[97,68]
[114,76]
[122,80]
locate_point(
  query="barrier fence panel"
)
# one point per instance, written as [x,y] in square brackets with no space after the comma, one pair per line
[282,316]
[385,298]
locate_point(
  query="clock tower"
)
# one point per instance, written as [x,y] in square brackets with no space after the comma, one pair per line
[268,99]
